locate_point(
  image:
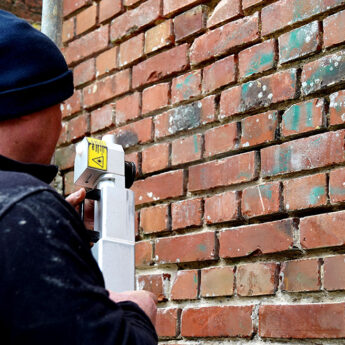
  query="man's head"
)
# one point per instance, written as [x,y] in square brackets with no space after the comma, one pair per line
[34,79]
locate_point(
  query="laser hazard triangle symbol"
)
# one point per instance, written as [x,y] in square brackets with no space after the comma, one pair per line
[99,161]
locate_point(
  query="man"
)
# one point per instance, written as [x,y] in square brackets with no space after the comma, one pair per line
[51,289]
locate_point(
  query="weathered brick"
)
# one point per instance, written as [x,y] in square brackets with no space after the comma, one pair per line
[109,9]
[138,132]
[257,239]
[219,41]
[334,273]
[256,59]
[337,185]
[130,2]
[250,3]
[86,20]
[131,50]
[136,19]
[222,207]
[167,322]
[305,192]
[70,6]
[172,6]
[155,97]
[127,108]
[322,73]
[221,139]
[222,321]
[159,187]
[259,129]
[303,154]
[303,117]
[337,108]
[155,158]
[187,248]
[68,30]
[160,66]
[261,200]
[185,285]
[186,86]
[84,72]
[154,219]
[257,279]
[186,213]
[302,321]
[217,281]
[225,10]
[159,36]
[301,275]
[78,127]
[106,61]
[325,230]
[69,185]
[333,29]
[155,283]
[190,22]
[287,12]
[222,72]
[225,172]
[72,105]
[186,150]
[64,157]
[143,253]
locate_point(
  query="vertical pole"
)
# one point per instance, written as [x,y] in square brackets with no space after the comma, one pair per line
[52,15]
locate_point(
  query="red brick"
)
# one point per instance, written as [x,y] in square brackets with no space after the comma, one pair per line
[139,132]
[72,105]
[220,73]
[84,72]
[77,127]
[127,108]
[185,285]
[261,200]
[131,50]
[219,41]
[159,36]
[102,118]
[221,139]
[186,86]
[63,139]
[301,275]
[303,154]
[86,20]
[68,30]
[257,279]
[337,108]
[287,12]
[259,129]
[222,207]
[303,117]
[299,42]
[257,239]
[305,192]
[154,283]
[225,321]
[143,254]
[257,59]
[106,61]
[109,8]
[190,22]
[130,2]
[250,3]
[225,172]
[167,322]
[208,109]
[188,248]
[186,150]
[159,187]
[225,10]
[136,19]
[325,230]
[337,185]
[64,157]
[136,223]
[86,45]
[107,88]
[172,6]
[217,281]
[302,321]
[70,6]
[186,213]
[333,28]
[154,219]
[160,66]
[155,158]
[156,97]
[334,273]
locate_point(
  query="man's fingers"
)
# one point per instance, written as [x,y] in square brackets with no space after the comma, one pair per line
[77,197]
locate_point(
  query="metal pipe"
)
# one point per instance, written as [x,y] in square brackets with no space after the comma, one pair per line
[52,16]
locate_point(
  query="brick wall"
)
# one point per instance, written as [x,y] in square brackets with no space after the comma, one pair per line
[234,112]
[27,9]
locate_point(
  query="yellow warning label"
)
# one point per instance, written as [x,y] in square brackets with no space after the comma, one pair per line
[97,154]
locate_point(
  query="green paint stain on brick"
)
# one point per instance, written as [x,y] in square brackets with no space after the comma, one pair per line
[185,83]
[292,118]
[202,247]
[315,194]
[266,191]
[196,146]
[282,161]
[195,278]
[309,111]
[337,191]
[260,62]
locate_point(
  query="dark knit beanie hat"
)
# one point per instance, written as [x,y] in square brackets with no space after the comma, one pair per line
[33,72]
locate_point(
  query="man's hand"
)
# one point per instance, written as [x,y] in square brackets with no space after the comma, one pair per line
[146,300]
[76,198]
